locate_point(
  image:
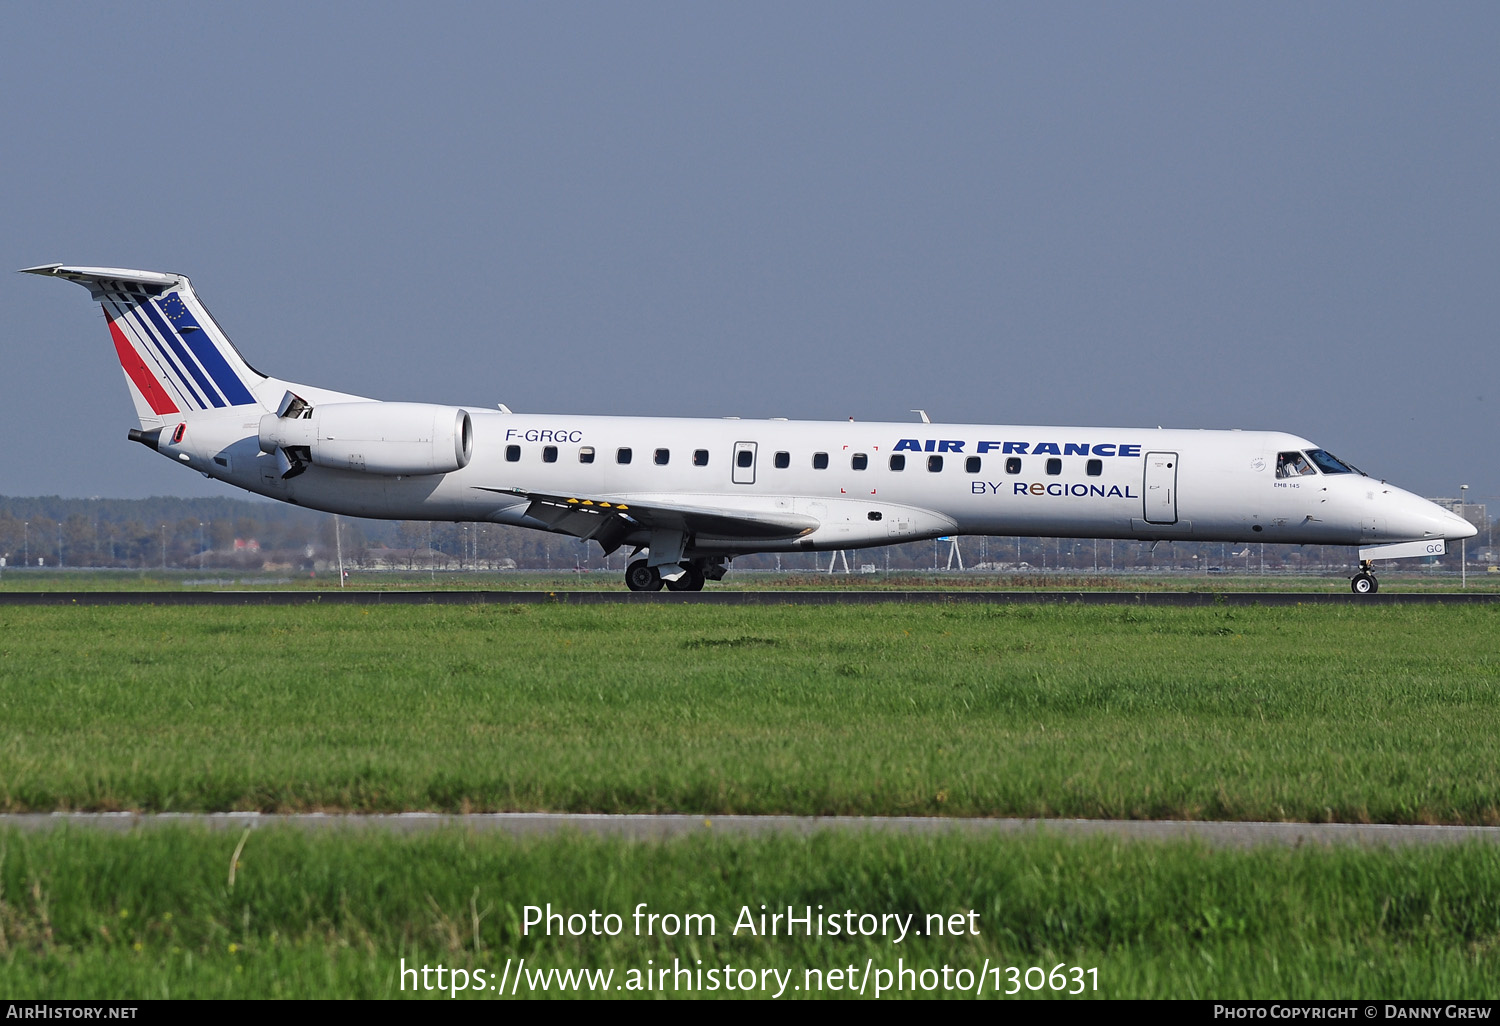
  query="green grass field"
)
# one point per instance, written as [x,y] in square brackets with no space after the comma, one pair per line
[1382,714]
[1300,713]
[156,915]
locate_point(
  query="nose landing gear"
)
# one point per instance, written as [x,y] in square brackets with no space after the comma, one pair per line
[1364,582]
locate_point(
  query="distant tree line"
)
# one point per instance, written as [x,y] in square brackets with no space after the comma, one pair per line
[247,534]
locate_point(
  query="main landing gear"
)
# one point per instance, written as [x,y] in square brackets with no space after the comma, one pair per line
[641,577]
[1364,582]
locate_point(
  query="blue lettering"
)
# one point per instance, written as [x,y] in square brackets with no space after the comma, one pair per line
[510,433]
[987,446]
[1097,490]
[1055,489]
[931,445]
[949,445]
[1130,450]
[1074,449]
[1129,494]
[1114,492]
[1107,449]
[908,445]
[1046,449]
[1019,448]
[976,487]
[1021,489]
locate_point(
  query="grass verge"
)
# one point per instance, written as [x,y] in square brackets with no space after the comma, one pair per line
[1351,714]
[156,914]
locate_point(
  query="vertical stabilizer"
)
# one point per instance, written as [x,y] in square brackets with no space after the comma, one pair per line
[175,357]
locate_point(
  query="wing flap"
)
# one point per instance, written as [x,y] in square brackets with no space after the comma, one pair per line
[610,519]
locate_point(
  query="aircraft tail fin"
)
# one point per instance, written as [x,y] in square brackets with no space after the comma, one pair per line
[175,357]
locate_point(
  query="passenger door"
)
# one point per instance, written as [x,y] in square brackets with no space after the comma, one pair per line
[1160,492]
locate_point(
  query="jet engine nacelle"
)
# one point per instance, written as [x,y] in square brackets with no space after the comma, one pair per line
[376,438]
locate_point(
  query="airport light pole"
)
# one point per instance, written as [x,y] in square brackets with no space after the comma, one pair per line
[1463,543]
[26,560]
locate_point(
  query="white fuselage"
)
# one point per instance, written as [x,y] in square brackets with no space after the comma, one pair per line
[1127,483]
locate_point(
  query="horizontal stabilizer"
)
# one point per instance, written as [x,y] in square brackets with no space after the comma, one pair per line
[101,281]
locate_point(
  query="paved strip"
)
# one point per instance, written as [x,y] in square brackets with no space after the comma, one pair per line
[731,598]
[664,827]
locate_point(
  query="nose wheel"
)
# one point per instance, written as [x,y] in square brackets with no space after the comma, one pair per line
[1364,582]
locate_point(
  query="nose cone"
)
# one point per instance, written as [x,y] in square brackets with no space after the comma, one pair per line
[1415,518]
[1458,528]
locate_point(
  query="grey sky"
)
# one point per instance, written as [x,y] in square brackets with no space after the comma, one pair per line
[1195,215]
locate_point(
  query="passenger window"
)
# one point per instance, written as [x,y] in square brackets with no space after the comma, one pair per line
[972,464]
[783,460]
[1013,465]
[744,457]
[700,457]
[1292,464]
[859,461]
[820,461]
[898,461]
[622,455]
[512,454]
[549,454]
[586,454]
[663,457]
[934,463]
[1054,466]
[1095,468]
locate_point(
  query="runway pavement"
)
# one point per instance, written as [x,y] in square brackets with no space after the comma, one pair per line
[657,828]
[732,598]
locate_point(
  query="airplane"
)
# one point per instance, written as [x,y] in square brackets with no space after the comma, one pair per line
[689,495]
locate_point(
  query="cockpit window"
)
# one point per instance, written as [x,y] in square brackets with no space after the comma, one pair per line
[1328,463]
[1292,464]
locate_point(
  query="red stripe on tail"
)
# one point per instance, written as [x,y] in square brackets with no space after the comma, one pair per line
[139,373]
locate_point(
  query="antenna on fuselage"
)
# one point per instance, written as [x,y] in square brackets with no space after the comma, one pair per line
[923,414]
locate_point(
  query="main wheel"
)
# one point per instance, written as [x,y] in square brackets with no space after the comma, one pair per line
[1364,584]
[691,580]
[640,577]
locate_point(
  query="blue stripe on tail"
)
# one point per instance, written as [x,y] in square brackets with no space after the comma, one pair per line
[175,341]
[208,354]
[178,377]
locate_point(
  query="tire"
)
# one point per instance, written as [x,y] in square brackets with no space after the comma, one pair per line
[640,577]
[1364,584]
[691,580]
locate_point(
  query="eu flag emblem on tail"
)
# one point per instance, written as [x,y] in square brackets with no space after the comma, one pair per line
[178,314]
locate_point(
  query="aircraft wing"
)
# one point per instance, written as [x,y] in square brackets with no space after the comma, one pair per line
[610,520]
